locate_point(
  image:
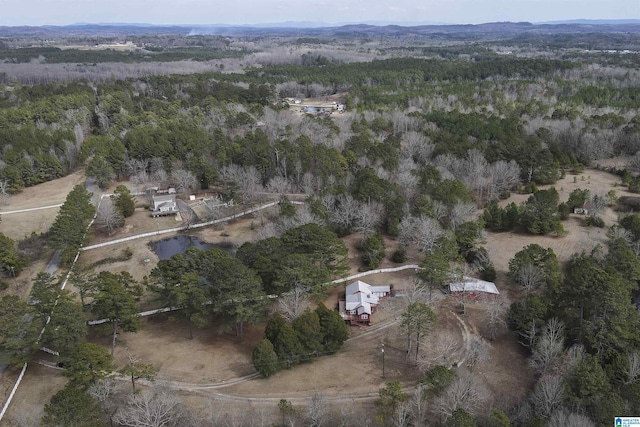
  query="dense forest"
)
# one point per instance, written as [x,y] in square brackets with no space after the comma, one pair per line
[435,128]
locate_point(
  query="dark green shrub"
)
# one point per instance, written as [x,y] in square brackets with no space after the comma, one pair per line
[399,255]
[594,221]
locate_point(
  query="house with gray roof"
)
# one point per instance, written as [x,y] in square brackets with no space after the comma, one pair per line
[162,205]
[361,301]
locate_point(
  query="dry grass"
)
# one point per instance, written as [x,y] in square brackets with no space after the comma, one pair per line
[17,226]
[577,238]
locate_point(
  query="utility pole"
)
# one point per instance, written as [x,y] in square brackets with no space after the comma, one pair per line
[382,360]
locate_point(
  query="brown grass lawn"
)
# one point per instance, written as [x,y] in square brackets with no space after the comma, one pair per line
[19,225]
[577,238]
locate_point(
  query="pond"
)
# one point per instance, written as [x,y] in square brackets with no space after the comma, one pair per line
[166,248]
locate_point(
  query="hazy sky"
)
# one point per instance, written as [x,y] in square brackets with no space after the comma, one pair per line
[61,12]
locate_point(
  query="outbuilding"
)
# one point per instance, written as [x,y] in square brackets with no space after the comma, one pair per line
[474,288]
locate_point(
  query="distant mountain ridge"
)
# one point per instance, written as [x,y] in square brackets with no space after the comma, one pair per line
[593,22]
[322,29]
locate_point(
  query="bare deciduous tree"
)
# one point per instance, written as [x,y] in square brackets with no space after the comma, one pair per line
[140,179]
[308,183]
[460,213]
[549,347]
[183,179]
[368,217]
[502,176]
[417,145]
[478,352]
[105,392]
[291,304]
[530,276]
[563,418]
[529,335]
[278,185]
[402,415]
[344,211]
[108,218]
[423,231]
[317,410]
[418,406]
[247,179]
[495,311]
[440,210]
[547,395]
[440,348]
[4,196]
[632,368]
[466,392]
[573,356]
[152,408]
[134,167]
[159,177]
[634,162]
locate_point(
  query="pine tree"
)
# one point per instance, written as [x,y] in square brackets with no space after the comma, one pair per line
[265,359]
[124,201]
[334,330]
[69,230]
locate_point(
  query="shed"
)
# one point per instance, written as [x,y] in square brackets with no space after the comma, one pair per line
[475,288]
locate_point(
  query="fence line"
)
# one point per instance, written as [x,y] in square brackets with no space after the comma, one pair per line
[64,284]
[13,391]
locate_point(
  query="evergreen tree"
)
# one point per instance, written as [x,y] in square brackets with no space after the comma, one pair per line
[115,300]
[101,170]
[124,201]
[88,364]
[69,230]
[334,330]
[67,329]
[11,261]
[417,319]
[540,214]
[287,347]
[372,250]
[44,293]
[307,327]
[18,333]
[72,407]
[265,359]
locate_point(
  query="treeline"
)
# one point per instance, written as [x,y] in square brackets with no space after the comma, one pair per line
[406,70]
[54,55]
[41,131]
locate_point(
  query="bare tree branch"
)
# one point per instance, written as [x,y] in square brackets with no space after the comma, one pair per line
[151,408]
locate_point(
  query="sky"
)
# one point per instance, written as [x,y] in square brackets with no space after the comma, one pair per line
[237,12]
